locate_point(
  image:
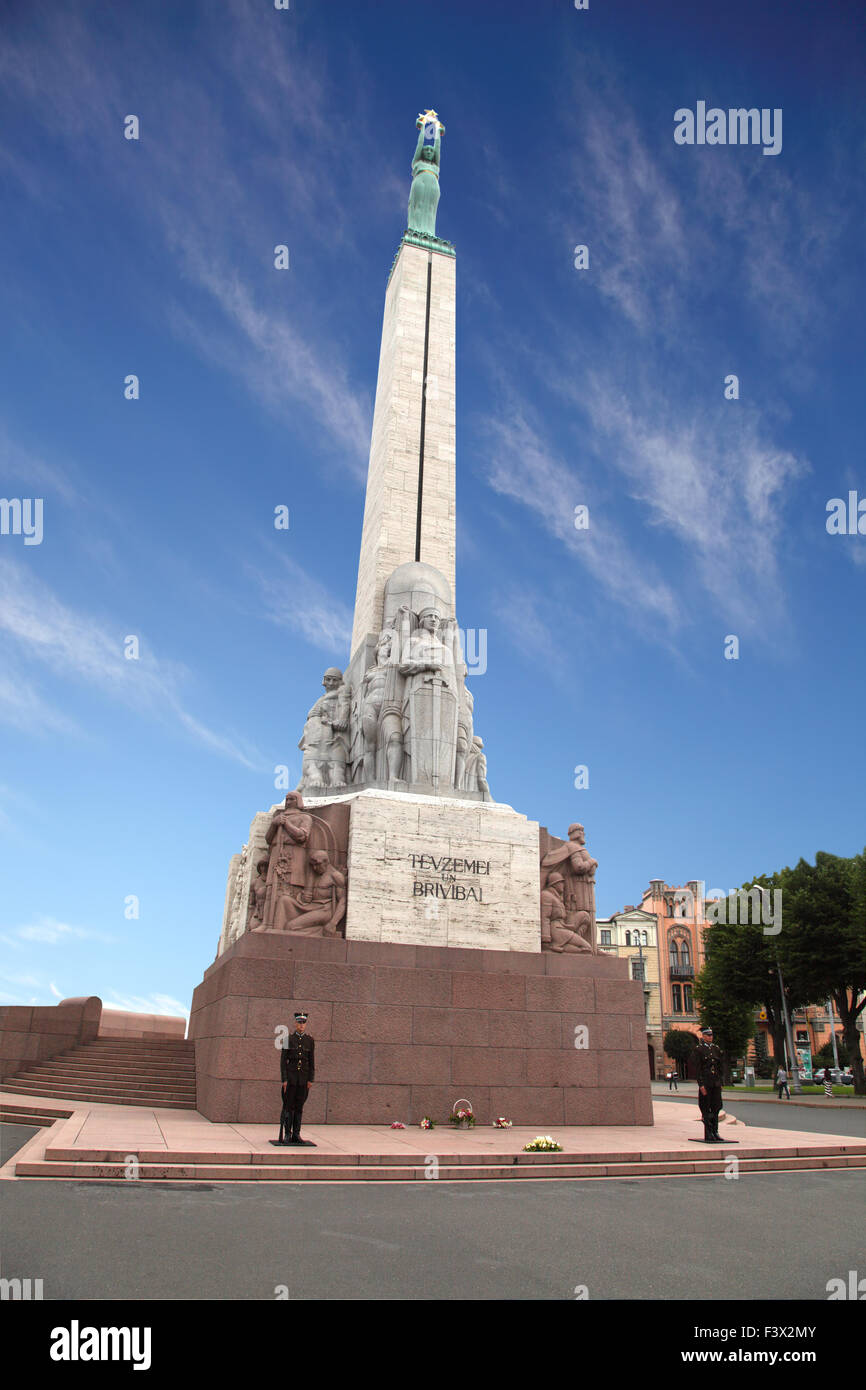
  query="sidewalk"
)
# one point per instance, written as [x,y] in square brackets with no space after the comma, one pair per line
[738,1093]
[98,1141]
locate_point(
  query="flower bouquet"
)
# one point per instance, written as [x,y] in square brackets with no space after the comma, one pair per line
[501,1123]
[427,1123]
[542,1144]
[462,1114]
[397,1124]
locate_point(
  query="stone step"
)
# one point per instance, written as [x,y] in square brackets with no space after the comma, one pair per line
[104,1083]
[224,1170]
[292,1157]
[83,1068]
[107,1096]
[107,1079]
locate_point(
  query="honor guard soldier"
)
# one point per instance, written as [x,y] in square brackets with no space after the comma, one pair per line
[297,1073]
[709,1063]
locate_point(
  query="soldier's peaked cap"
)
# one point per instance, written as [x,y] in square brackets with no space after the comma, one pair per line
[707,1030]
[301,1018]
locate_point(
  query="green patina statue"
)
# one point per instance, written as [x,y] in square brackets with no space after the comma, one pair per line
[424,195]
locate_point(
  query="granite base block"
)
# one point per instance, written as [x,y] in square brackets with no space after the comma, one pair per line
[404,1032]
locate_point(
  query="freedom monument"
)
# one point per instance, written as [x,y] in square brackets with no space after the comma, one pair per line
[442,943]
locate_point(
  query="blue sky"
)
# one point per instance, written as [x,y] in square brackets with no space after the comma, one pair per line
[602,387]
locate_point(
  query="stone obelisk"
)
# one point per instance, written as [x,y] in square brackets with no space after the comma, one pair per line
[441,941]
[410,512]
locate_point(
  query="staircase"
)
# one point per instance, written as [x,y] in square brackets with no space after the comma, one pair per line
[116,1071]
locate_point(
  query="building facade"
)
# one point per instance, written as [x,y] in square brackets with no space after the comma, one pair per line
[633,935]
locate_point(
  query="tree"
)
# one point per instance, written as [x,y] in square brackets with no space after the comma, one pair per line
[824,931]
[825,1058]
[763,1066]
[679,1045]
[730,1020]
[742,965]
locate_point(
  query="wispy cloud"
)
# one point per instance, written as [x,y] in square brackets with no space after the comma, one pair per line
[295,600]
[217,212]
[524,465]
[77,646]
[145,1004]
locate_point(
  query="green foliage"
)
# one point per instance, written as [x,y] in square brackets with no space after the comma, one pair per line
[764,1068]
[824,1055]
[730,1019]
[679,1044]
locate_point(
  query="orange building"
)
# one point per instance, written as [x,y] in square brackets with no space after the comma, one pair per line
[680,910]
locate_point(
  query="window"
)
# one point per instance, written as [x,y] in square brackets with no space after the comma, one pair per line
[677,993]
[605,937]
[628,938]
[645,939]
[673,951]
[688,1003]
[684,948]
[638,969]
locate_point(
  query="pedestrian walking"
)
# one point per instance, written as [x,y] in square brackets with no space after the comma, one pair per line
[782,1082]
[828,1082]
[672,1081]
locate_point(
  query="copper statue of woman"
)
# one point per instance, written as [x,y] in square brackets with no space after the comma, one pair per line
[424,194]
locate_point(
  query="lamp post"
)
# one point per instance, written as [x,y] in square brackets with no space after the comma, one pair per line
[796,1087]
[833,1033]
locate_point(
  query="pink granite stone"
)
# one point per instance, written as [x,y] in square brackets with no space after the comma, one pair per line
[335,983]
[344,1061]
[389,1023]
[488,1066]
[480,991]
[419,986]
[264,1016]
[623,1068]
[508,962]
[365,1105]
[410,1064]
[534,1105]
[585,967]
[619,997]
[265,979]
[562,1067]
[448,958]
[593,1106]
[438,1103]
[218,1096]
[381,953]
[449,1026]
[520,1029]
[607,1034]
[552,994]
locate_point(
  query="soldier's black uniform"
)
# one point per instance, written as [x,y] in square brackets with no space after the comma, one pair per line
[297,1067]
[709,1063]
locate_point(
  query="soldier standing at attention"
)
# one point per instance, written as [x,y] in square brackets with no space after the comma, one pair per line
[297,1073]
[709,1063]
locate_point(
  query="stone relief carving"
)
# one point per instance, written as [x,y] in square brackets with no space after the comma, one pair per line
[301,882]
[567,892]
[325,742]
[402,715]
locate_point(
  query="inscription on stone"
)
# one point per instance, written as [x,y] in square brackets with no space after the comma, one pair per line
[448,867]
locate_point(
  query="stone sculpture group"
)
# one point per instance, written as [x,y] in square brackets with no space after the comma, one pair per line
[406,723]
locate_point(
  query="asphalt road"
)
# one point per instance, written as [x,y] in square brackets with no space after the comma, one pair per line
[780,1114]
[762,1235]
[12,1137]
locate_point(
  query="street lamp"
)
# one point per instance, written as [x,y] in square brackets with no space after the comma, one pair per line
[796,1087]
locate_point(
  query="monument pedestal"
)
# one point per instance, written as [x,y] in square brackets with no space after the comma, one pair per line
[439,871]
[404,1031]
